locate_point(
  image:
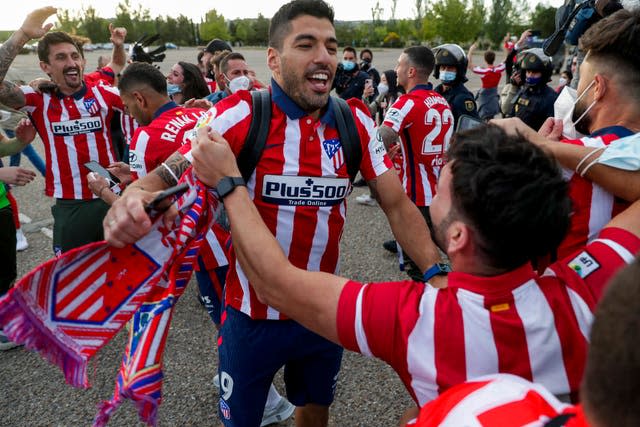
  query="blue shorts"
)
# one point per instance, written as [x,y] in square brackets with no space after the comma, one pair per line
[211,285]
[252,351]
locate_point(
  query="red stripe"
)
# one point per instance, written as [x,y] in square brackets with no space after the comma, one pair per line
[434,412]
[449,346]
[509,336]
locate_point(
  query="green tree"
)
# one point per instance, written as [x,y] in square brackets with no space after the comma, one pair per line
[123,18]
[454,21]
[93,26]
[214,26]
[68,21]
[543,18]
[261,31]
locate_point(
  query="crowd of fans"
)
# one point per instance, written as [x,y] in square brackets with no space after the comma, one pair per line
[511,209]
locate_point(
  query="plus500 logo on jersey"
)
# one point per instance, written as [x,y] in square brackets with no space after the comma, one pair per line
[304,190]
[75,127]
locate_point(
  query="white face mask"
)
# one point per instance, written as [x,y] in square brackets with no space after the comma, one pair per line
[562,81]
[563,110]
[383,89]
[239,83]
[623,153]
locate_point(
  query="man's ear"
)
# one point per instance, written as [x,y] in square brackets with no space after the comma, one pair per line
[140,99]
[458,237]
[45,67]
[600,86]
[273,60]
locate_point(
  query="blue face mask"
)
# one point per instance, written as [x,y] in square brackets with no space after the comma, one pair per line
[448,76]
[172,89]
[623,153]
[348,65]
[532,81]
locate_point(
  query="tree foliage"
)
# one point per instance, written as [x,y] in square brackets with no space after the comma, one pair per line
[543,19]
[214,26]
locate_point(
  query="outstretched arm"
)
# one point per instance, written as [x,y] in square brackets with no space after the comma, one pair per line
[32,28]
[118,54]
[25,134]
[310,298]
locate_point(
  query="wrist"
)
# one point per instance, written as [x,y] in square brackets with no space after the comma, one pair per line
[22,36]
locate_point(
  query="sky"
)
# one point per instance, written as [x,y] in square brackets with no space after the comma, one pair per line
[347,10]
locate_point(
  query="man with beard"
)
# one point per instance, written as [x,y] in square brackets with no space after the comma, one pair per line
[501,201]
[605,107]
[73,122]
[299,187]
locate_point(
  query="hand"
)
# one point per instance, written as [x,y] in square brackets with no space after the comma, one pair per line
[212,157]
[473,47]
[33,25]
[523,37]
[126,221]
[15,175]
[551,129]
[25,131]
[368,91]
[97,184]
[393,151]
[118,35]
[198,103]
[121,170]
[514,127]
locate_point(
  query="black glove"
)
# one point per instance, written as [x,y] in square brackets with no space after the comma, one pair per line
[138,53]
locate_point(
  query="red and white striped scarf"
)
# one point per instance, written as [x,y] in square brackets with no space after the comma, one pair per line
[70,307]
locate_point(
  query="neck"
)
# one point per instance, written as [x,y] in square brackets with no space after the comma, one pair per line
[156,103]
[624,114]
[473,265]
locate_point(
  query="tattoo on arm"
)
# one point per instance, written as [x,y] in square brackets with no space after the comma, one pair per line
[388,135]
[8,52]
[11,95]
[177,163]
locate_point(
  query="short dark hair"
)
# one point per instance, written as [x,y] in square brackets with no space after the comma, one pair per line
[489,57]
[611,384]
[224,62]
[350,49]
[281,22]
[421,57]
[511,194]
[200,55]
[613,43]
[141,74]
[193,85]
[366,50]
[53,38]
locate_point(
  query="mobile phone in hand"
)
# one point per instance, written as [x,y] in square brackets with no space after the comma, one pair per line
[154,205]
[94,166]
[466,122]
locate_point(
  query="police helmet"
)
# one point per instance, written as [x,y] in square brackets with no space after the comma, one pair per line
[536,60]
[451,54]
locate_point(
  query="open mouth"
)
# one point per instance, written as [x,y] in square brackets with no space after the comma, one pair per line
[73,73]
[319,81]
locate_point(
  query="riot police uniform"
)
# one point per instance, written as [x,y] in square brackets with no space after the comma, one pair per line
[460,99]
[533,103]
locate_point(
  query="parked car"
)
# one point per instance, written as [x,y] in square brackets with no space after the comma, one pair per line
[171,46]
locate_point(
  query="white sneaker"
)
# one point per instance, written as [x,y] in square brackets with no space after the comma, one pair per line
[6,343]
[283,410]
[21,241]
[366,200]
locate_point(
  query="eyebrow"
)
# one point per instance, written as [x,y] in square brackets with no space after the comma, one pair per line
[311,37]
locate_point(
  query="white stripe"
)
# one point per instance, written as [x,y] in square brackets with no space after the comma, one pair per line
[79,273]
[106,125]
[478,335]
[424,182]
[600,210]
[543,342]
[421,350]
[361,335]
[377,160]
[618,249]
[158,336]
[245,306]
[216,249]
[88,342]
[92,310]
[139,148]
[53,153]
[583,313]
[84,295]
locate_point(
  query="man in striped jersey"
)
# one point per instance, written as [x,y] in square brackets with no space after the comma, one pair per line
[300,186]
[501,201]
[73,123]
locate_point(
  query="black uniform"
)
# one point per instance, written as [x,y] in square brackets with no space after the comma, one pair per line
[460,99]
[534,104]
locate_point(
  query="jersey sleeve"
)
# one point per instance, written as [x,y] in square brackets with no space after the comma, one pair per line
[374,161]
[33,100]
[589,271]
[376,319]
[397,116]
[112,96]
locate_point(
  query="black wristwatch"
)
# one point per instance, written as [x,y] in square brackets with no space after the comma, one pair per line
[437,269]
[227,184]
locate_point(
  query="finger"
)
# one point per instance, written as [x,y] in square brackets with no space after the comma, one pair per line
[169,216]
[111,27]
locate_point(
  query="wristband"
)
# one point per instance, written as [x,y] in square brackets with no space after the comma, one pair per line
[437,269]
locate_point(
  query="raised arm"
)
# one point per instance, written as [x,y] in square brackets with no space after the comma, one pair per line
[25,134]
[32,28]
[118,54]
[472,49]
[310,298]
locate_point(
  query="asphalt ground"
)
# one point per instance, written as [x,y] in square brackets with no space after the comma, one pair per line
[34,392]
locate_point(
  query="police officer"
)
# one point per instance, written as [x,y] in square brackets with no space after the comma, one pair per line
[451,69]
[533,103]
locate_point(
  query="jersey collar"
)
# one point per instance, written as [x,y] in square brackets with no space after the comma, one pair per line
[619,131]
[493,284]
[166,107]
[76,95]
[293,111]
[427,86]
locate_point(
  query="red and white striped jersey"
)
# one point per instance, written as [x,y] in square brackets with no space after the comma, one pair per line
[74,129]
[593,206]
[153,144]
[536,327]
[299,185]
[500,400]
[424,122]
[211,84]
[490,76]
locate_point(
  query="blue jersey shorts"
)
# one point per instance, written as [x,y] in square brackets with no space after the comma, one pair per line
[252,351]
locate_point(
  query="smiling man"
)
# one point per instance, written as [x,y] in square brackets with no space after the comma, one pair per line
[73,122]
[299,186]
